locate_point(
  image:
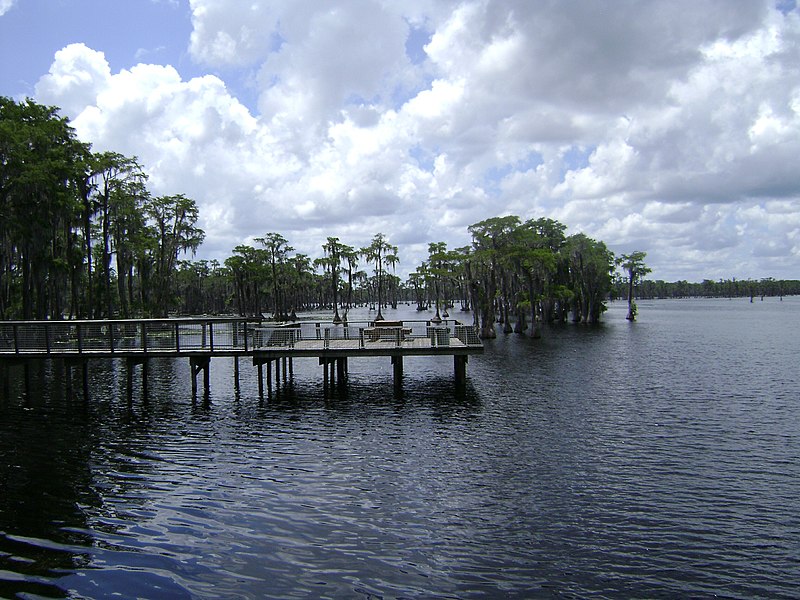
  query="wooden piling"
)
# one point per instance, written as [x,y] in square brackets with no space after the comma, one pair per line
[84,366]
[131,364]
[197,364]
[460,366]
[397,363]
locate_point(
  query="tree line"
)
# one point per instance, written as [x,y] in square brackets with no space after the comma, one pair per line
[82,237]
[722,288]
[80,234]
[518,273]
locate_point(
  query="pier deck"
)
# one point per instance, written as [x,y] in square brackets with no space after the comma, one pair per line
[201,339]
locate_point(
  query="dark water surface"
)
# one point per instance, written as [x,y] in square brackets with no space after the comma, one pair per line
[654,459]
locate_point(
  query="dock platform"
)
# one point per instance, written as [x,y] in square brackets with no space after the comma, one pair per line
[272,344]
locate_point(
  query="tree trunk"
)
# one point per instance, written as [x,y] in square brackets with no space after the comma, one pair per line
[487,322]
[87,232]
[121,287]
[631,312]
[520,326]
[507,328]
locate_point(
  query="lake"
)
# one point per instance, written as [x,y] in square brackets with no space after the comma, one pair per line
[652,459]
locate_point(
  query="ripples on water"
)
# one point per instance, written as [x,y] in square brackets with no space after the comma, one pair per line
[655,459]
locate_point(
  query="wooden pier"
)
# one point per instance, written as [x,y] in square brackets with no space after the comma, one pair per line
[200,339]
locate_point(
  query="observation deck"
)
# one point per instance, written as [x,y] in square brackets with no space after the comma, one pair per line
[200,339]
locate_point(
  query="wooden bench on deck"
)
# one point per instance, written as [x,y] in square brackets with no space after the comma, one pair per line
[386,331]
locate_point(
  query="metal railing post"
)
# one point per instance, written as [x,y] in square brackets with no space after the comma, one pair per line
[144,336]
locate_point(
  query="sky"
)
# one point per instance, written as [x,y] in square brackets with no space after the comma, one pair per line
[667,127]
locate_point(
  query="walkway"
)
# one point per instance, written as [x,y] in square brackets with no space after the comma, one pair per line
[201,339]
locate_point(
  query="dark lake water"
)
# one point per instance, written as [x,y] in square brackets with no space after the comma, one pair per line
[654,459]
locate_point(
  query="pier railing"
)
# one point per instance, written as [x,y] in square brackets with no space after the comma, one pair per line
[179,336]
[127,336]
[399,334]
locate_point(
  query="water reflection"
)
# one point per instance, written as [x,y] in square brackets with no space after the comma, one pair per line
[614,461]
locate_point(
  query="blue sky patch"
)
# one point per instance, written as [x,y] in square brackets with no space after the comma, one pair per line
[418,38]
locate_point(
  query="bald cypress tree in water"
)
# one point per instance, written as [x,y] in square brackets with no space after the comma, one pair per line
[491,239]
[40,167]
[173,232]
[633,263]
[590,265]
[380,253]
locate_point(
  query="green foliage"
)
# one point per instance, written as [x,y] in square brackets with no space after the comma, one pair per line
[381,254]
[634,266]
[39,159]
[80,235]
[722,288]
[532,265]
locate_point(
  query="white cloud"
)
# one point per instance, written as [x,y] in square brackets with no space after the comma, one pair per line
[232,33]
[5,6]
[77,75]
[668,127]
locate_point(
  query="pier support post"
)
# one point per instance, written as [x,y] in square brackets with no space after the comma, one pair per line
[132,362]
[4,376]
[333,370]
[236,372]
[260,362]
[6,366]
[341,369]
[197,364]
[84,365]
[460,364]
[397,363]
[269,377]
[324,363]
